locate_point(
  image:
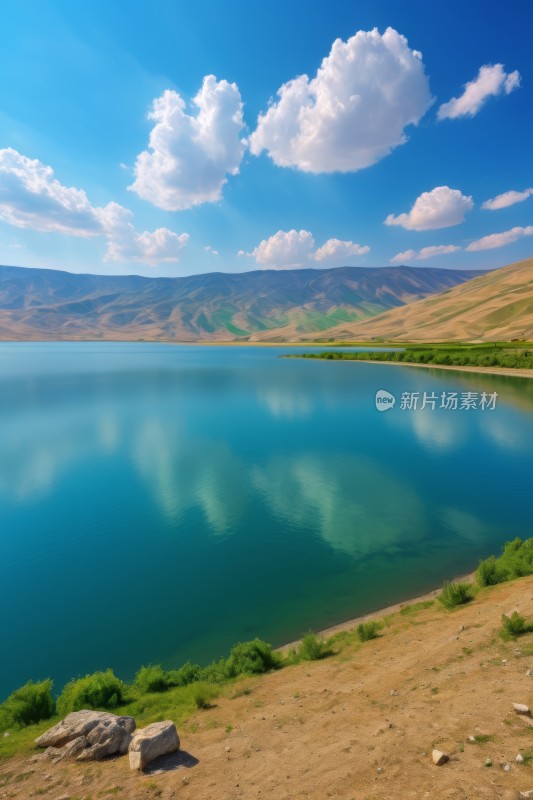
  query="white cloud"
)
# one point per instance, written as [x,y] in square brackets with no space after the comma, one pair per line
[190,156]
[291,249]
[30,197]
[286,249]
[353,112]
[401,258]
[490,81]
[335,249]
[506,199]
[442,207]
[209,249]
[424,253]
[125,243]
[494,240]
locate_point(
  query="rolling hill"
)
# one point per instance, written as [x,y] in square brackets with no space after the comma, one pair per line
[51,304]
[496,306]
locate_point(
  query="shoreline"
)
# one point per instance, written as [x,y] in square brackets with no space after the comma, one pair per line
[394,608]
[506,371]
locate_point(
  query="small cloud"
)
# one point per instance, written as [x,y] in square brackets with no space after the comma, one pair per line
[442,207]
[494,240]
[490,81]
[335,250]
[506,199]
[16,246]
[424,253]
[209,249]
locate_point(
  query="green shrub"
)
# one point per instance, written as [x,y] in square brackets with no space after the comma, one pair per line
[368,630]
[456,594]
[251,658]
[152,678]
[311,648]
[100,690]
[215,672]
[203,694]
[513,626]
[515,561]
[31,703]
[188,673]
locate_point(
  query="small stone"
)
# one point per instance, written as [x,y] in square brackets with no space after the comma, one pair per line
[519,759]
[488,762]
[461,628]
[521,708]
[506,767]
[185,781]
[6,734]
[394,692]
[529,673]
[379,770]
[228,749]
[504,661]
[439,758]
[471,738]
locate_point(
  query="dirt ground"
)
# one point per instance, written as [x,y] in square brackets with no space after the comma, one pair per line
[357,726]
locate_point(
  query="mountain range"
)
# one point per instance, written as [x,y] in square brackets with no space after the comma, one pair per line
[496,306]
[44,304]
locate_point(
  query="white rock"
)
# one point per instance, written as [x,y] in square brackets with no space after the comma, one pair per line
[155,740]
[439,758]
[519,759]
[87,736]
[521,708]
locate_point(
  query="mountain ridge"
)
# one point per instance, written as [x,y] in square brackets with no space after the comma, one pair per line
[54,304]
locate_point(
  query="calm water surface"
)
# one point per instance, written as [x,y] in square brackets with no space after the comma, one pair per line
[160,502]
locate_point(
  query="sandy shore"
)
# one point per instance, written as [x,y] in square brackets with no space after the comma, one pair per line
[514,373]
[381,612]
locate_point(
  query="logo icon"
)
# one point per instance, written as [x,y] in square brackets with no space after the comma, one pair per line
[384,400]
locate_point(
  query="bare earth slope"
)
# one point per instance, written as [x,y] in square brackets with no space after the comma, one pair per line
[358,726]
[497,306]
[50,304]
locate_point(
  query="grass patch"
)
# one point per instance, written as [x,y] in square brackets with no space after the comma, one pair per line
[514,626]
[368,630]
[414,608]
[516,561]
[311,648]
[456,594]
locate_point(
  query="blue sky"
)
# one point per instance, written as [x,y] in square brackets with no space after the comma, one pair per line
[383,130]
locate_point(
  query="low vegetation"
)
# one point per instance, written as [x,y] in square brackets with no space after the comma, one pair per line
[514,626]
[176,694]
[482,355]
[456,594]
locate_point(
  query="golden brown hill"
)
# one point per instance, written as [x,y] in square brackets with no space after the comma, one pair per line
[358,726]
[497,306]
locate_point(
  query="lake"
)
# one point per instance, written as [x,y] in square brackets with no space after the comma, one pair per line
[159,503]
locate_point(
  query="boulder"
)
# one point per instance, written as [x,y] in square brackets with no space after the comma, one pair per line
[88,736]
[155,740]
[520,708]
[439,758]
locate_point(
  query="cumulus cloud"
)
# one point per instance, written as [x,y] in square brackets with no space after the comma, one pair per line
[353,112]
[494,240]
[506,199]
[442,207]
[335,249]
[291,249]
[490,81]
[209,249]
[191,155]
[424,253]
[285,249]
[125,243]
[31,197]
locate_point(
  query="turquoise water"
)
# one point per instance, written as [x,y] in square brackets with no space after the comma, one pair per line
[160,503]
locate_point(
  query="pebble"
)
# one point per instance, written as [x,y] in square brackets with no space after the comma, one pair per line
[488,762]
[529,673]
[228,749]
[439,758]
[506,767]
[394,692]
[519,759]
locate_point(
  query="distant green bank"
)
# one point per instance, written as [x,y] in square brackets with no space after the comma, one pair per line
[482,355]
[157,694]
